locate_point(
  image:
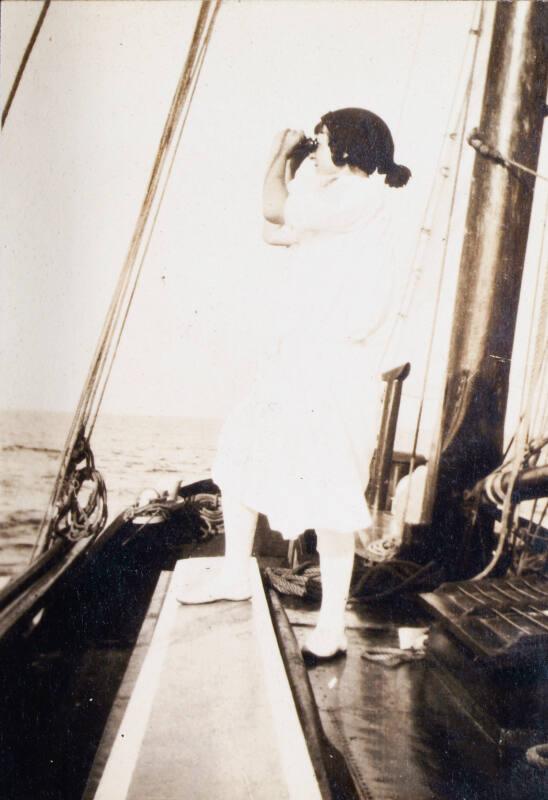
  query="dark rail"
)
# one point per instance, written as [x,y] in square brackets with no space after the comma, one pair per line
[394,379]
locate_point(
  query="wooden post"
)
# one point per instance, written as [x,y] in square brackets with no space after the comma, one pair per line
[387,434]
[470,437]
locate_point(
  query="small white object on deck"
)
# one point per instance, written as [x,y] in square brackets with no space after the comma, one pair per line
[212,714]
[412,638]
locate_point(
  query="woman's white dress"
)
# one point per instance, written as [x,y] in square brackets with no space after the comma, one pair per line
[298,447]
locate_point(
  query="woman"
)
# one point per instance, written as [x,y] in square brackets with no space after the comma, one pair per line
[298,448]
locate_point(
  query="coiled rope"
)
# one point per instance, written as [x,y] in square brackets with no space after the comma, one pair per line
[374,583]
[525,447]
[301,581]
[538,756]
[101,365]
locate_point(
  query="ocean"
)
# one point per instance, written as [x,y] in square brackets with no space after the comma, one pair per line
[132,453]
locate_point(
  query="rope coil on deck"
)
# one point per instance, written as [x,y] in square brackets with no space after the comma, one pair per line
[200,513]
[302,581]
[371,583]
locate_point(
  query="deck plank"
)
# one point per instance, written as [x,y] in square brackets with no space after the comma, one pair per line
[211,715]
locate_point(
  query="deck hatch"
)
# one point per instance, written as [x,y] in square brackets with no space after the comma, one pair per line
[497,618]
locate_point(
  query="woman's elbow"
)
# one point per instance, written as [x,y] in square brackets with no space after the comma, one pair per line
[273,215]
[273,209]
[277,235]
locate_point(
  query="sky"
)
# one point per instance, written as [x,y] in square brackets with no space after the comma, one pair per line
[78,147]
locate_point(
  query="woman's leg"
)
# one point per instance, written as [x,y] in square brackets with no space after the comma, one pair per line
[336,551]
[232,581]
[240,523]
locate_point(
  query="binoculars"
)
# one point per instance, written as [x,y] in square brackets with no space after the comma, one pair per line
[303,148]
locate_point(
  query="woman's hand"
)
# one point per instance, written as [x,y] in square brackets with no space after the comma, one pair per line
[278,173]
[285,141]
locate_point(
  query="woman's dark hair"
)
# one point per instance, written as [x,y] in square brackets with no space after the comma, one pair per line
[361,139]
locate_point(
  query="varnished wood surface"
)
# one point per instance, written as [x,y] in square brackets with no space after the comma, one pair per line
[403,735]
[211,715]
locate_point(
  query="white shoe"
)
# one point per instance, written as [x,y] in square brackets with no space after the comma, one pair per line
[324,644]
[214,588]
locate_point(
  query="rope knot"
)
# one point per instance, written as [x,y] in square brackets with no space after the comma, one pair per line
[477,141]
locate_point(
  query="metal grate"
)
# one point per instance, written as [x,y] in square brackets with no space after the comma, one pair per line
[502,618]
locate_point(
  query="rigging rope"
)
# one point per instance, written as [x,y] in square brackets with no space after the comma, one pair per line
[410,72]
[437,190]
[99,372]
[508,506]
[531,537]
[539,369]
[535,364]
[24,60]
[129,276]
[464,116]
[476,140]
[194,83]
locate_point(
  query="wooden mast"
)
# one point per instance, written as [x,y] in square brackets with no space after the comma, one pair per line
[470,437]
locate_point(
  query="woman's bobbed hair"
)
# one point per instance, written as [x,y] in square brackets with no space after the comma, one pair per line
[361,139]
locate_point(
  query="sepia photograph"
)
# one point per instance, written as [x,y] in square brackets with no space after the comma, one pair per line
[274,400]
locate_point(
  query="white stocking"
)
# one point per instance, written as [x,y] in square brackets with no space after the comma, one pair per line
[232,581]
[240,524]
[336,551]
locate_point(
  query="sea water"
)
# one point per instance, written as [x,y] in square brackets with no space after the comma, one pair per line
[132,453]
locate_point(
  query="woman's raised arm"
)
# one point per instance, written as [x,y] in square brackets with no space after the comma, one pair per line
[275,182]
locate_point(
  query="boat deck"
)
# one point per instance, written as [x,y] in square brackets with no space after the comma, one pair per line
[205,722]
[211,714]
[403,735]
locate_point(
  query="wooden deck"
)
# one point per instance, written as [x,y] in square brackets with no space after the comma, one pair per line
[212,714]
[403,735]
